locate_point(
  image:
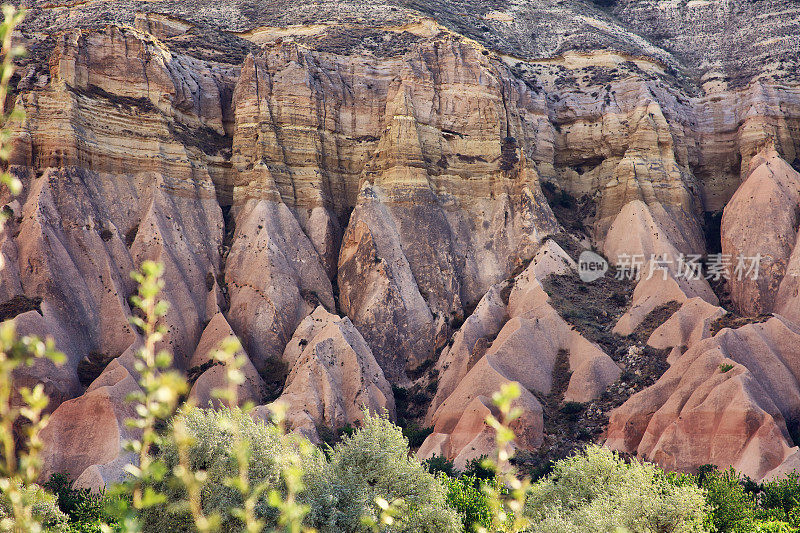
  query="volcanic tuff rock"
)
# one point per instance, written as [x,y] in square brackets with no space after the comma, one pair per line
[385,164]
[762,221]
[729,400]
[214,374]
[525,350]
[333,376]
[84,437]
[689,325]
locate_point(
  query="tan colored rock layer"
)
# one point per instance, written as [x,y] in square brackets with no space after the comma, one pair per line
[136,138]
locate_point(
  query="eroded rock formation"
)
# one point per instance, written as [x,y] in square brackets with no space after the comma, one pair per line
[400,176]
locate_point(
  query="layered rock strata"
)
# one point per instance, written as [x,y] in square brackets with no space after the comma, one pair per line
[383,167]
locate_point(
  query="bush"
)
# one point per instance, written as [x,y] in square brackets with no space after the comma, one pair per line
[375,463]
[774,527]
[596,491]
[572,408]
[782,495]
[43,507]
[416,435]
[732,508]
[212,450]
[437,464]
[465,496]
[481,468]
[86,511]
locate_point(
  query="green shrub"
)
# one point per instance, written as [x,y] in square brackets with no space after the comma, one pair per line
[782,494]
[572,408]
[437,464]
[86,511]
[465,496]
[732,508]
[774,527]
[481,468]
[374,463]
[212,450]
[60,486]
[597,492]
[43,507]
[416,435]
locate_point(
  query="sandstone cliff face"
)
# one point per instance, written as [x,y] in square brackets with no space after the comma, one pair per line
[388,167]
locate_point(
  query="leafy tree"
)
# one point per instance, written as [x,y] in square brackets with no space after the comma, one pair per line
[374,465]
[465,496]
[437,464]
[782,495]
[732,509]
[596,491]
[211,449]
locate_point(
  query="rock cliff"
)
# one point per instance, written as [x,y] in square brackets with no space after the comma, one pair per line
[410,175]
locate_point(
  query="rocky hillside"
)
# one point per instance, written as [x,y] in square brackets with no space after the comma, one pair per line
[386,202]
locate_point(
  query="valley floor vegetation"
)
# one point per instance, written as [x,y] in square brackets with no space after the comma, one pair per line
[222,470]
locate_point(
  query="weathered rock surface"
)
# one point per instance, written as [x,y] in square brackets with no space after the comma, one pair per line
[689,325]
[274,277]
[662,284]
[334,378]
[761,221]
[85,435]
[731,400]
[386,165]
[523,349]
[652,230]
[61,383]
[214,377]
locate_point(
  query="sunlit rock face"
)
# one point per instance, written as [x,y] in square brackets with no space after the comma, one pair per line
[424,151]
[730,400]
[389,167]
[762,220]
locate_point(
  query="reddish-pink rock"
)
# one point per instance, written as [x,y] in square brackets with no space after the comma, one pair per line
[729,400]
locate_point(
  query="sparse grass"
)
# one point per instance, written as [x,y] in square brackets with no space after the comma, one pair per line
[593,308]
[734,321]
[654,320]
[19,304]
